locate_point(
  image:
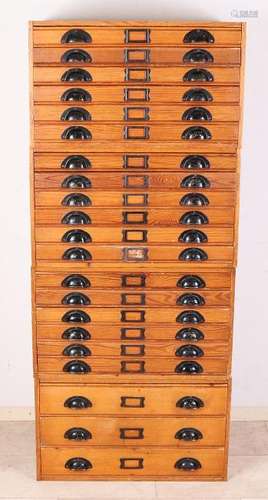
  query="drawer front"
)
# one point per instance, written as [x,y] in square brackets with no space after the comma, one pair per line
[173,315]
[67,112]
[132,280]
[139,74]
[191,35]
[180,400]
[127,462]
[214,235]
[136,180]
[139,95]
[136,55]
[126,431]
[219,332]
[133,132]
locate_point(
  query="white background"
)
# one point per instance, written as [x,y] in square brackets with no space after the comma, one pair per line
[250,363]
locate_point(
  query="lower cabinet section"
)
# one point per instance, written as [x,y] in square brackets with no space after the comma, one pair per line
[84,463]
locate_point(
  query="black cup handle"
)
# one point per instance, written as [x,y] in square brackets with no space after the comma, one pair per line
[77,367]
[76,200]
[192,254]
[198,56]
[76,316]
[76,253]
[78,464]
[190,334]
[195,162]
[197,94]
[189,351]
[76,95]
[76,298]
[197,114]
[76,350]
[75,114]
[193,218]
[195,181]
[198,75]
[77,403]
[75,281]
[190,317]
[193,236]
[76,181]
[190,403]
[196,134]
[194,199]
[76,236]
[76,75]
[76,35]
[81,434]
[189,368]
[76,134]
[76,56]
[76,333]
[190,299]
[191,281]
[188,464]
[198,35]
[189,434]
[76,217]
[76,162]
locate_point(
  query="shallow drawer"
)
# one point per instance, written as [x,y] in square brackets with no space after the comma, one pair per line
[178,400]
[139,74]
[110,331]
[138,315]
[136,95]
[202,180]
[133,461]
[68,112]
[133,280]
[151,198]
[212,235]
[132,216]
[125,431]
[47,251]
[143,132]
[193,35]
[129,351]
[134,55]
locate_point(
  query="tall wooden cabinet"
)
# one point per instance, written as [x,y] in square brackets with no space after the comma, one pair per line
[135,174]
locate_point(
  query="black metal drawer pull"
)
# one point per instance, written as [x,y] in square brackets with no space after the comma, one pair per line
[76,75]
[76,350]
[77,403]
[76,162]
[76,134]
[197,114]
[76,333]
[76,95]
[198,35]
[75,114]
[131,463]
[189,351]
[194,217]
[76,56]
[197,56]
[76,181]
[76,316]
[137,35]
[76,35]
[77,253]
[195,162]
[76,200]
[190,317]
[193,254]
[190,403]
[78,463]
[193,236]
[76,236]
[77,367]
[195,181]
[194,199]
[75,281]
[189,368]
[189,434]
[78,434]
[198,75]
[191,281]
[131,433]
[76,298]
[76,218]
[196,134]
[132,402]
[198,94]
[192,334]
[188,464]
[190,299]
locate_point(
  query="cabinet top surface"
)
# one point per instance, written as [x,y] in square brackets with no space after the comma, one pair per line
[130,22]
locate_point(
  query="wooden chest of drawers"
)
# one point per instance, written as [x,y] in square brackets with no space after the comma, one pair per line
[136,131]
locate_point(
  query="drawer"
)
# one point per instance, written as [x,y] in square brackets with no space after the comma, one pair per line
[68,112]
[139,74]
[183,180]
[219,332]
[133,462]
[150,198]
[136,55]
[100,297]
[179,35]
[179,400]
[130,351]
[132,216]
[138,162]
[132,280]
[46,234]
[133,132]
[136,315]
[149,94]
[163,253]
[126,431]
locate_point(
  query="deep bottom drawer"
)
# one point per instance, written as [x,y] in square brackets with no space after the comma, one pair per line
[126,431]
[106,462]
